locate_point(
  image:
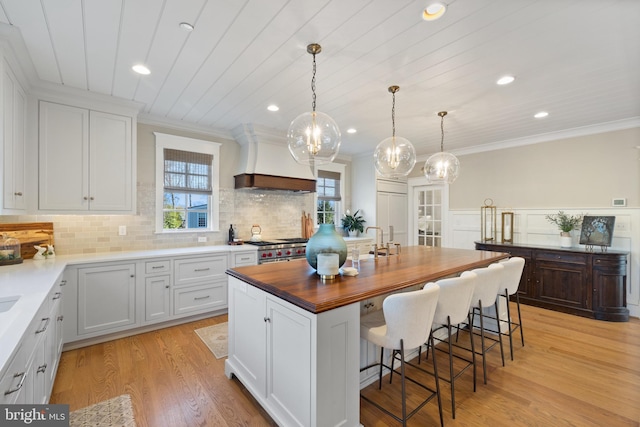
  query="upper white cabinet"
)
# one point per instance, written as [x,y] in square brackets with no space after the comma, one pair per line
[13,143]
[87,160]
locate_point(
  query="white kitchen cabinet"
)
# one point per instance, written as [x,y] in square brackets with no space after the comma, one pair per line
[392,210]
[241,259]
[106,298]
[200,284]
[86,160]
[13,143]
[157,290]
[157,301]
[270,345]
[364,245]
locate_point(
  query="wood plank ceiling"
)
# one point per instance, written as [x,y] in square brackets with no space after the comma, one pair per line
[577,59]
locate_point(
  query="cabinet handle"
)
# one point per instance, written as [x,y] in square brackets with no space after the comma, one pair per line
[85,198]
[57,295]
[157,266]
[19,386]
[63,282]
[133,275]
[19,193]
[199,298]
[42,369]
[90,198]
[167,287]
[202,269]
[266,319]
[46,325]
[60,318]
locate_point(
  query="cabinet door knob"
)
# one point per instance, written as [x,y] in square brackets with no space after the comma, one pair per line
[85,198]
[266,319]
[167,287]
[133,275]
[90,198]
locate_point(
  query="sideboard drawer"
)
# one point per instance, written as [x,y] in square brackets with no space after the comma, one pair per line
[245,258]
[564,257]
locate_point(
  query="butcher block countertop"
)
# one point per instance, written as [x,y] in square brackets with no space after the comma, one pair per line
[297,282]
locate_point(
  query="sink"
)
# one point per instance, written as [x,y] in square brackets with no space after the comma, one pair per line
[7,302]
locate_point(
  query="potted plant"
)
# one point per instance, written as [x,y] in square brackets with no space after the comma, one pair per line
[353,223]
[566,224]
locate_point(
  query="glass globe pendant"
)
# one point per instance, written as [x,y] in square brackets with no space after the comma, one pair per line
[314,137]
[442,167]
[395,156]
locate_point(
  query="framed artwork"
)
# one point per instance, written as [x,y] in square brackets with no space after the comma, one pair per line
[597,230]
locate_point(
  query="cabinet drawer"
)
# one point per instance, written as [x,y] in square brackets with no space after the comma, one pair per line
[192,270]
[245,258]
[200,298]
[160,266]
[562,257]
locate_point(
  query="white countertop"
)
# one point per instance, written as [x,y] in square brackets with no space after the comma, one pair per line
[33,280]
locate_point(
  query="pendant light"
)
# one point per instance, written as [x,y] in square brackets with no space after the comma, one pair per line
[313,137]
[442,166]
[394,156]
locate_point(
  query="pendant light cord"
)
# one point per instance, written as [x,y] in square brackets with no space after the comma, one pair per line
[393,115]
[313,85]
[442,114]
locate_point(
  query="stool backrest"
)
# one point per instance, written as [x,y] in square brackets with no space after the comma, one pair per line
[409,316]
[513,268]
[454,300]
[487,285]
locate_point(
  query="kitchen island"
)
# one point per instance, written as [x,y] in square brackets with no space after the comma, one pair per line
[294,340]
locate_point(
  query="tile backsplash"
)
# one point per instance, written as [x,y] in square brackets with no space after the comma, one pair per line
[276,212]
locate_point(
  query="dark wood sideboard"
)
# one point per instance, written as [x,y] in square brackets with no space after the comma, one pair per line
[571,280]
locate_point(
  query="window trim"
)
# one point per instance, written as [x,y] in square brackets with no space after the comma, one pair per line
[195,145]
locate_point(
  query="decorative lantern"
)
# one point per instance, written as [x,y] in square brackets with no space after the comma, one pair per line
[9,250]
[488,221]
[507,227]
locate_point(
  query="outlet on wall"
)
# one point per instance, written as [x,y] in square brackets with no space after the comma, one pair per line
[202,239]
[122,230]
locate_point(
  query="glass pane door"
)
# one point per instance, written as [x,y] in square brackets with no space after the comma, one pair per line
[428,215]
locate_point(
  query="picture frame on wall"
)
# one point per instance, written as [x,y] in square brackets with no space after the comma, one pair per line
[597,230]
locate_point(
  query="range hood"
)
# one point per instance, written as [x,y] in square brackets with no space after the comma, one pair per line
[266,164]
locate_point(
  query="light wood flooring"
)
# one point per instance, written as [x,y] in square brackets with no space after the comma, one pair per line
[572,371]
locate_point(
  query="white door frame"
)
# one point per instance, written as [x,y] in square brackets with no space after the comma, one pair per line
[412,220]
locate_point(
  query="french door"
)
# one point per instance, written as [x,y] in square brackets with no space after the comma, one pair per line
[428,215]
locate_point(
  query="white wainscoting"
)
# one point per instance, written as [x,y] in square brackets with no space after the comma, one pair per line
[531,227]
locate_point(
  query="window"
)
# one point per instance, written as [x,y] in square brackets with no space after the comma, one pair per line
[329,190]
[187,176]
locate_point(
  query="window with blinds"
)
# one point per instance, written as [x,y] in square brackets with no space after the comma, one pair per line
[328,194]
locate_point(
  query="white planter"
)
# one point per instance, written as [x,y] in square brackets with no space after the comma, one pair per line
[566,241]
[353,233]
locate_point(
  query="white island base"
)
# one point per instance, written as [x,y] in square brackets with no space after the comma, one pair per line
[303,368]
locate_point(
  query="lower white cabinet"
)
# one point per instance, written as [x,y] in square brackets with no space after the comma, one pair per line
[200,284]
[300,366]
[157,298]
[29,379]
[106,298]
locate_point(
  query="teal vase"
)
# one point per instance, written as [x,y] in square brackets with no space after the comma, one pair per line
[326,240]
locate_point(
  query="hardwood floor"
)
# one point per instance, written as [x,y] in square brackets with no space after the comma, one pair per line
[572,371]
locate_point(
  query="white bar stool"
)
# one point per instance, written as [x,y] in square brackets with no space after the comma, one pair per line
[454,303]
[403,323]
[513,268]
[485,295]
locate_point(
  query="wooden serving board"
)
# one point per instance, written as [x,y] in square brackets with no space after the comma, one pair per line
[29,234]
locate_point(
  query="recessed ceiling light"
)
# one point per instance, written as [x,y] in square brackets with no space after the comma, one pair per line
[505,80]
[433,11]
[352,130]
[141,69]
[186,26]
[541,114]
[273,107]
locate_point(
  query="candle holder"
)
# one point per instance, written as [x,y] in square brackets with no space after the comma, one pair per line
[507,227]
[328,267]
[488,221]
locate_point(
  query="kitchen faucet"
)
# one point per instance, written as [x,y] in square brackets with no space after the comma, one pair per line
[375,246]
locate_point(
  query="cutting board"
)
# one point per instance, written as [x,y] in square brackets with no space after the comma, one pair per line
[29,234]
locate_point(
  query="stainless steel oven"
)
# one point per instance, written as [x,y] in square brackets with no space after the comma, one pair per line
[279,250]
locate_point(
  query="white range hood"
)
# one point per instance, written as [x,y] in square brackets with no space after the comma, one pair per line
[265,161]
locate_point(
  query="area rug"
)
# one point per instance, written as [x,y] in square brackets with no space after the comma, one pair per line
[116,412]
[215,337]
